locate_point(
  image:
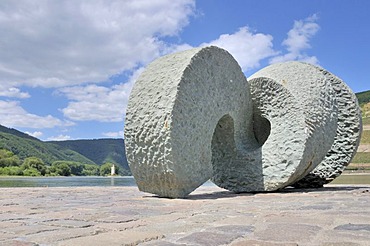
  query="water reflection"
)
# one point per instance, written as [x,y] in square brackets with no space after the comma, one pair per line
[127,181]
[65,181]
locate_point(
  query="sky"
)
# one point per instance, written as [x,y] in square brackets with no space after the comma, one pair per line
[67,67]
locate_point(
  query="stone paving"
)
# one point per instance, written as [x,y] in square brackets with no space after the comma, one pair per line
[334,215]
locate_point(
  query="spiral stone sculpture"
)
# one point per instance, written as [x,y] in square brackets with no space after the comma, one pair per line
[192,116]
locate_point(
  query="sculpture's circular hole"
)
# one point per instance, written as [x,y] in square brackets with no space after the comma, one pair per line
[261,128]
[223,148]
[223,137]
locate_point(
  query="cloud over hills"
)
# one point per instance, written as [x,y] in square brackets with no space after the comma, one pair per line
[78,47]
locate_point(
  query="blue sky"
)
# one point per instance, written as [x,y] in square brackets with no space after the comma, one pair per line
[67,67]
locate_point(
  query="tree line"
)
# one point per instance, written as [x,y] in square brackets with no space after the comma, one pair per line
[11,164]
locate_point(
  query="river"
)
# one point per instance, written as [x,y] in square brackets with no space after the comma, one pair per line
[126,181]
[66,181]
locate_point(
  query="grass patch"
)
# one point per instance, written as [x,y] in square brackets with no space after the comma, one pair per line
[365,137]
[366,121]
[358,167]
[361,157]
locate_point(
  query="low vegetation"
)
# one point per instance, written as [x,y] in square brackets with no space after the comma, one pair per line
[11,164]
[98,150]
[90,153]
[358,167]
[365,137]
[361,157]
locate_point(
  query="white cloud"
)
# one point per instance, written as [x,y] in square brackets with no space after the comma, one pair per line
[118,134]
[63,43]
[72,45]
[12,92]
[108,104]
[298,40]
[59,138]
[98,103]
[248,48]
[36,134]
[13,115]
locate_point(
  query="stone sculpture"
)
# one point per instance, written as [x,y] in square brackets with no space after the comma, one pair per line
[172,112]
[192,116]
[347,137]
[348,126]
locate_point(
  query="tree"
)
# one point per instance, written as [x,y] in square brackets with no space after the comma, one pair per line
[34,163]
[8,159]
[4,153]
[91,170]
[76,167]
[60,168]
[11,171]
[125,172]
[31,172]
[105,169]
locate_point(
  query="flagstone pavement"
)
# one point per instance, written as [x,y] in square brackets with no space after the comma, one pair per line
[333,215]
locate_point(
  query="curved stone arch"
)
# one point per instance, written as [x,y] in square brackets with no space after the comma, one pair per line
[347,137]
[173,110]
[193,116]
[315,96]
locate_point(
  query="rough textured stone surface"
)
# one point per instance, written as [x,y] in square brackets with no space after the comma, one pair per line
[354,227]
[210,215]
[347,137]
[280,153]
[193,116]
[172,114]
[303,126]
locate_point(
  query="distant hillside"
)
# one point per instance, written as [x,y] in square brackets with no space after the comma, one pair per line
[363,97]
[95,151]
[364,100]
[25,147]
[16,133]
[98,150]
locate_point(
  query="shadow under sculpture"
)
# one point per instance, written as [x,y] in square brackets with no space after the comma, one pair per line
[192,116]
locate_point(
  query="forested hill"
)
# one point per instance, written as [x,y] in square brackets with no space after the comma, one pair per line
[94,151]
[16,133]
[98,150]
[363,97]
[25,146]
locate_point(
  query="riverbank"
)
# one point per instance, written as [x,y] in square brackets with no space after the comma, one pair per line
[334,215]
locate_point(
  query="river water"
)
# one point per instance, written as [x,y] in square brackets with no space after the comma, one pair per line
[126,181]
[65,181]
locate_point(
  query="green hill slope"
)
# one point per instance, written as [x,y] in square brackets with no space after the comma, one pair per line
[16,133]
[98,150]
[363,97]
[364,100]
[94,151]
[27,147]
